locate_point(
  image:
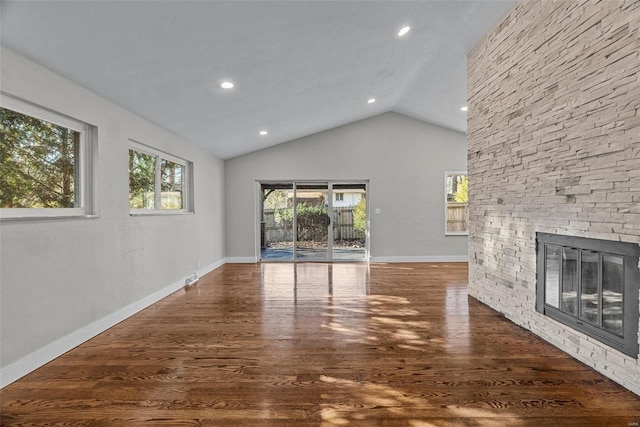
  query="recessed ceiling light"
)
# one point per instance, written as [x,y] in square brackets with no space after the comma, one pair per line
[371,100]
[465,108]
[264,132]
[403,31]
[226,85]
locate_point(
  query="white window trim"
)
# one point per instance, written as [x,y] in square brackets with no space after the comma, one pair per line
[187,182]
[446,205]
[87,198]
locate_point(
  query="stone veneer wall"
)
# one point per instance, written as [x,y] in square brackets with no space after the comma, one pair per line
[554,146]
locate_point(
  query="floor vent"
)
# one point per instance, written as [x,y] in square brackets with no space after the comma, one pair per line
[191,280]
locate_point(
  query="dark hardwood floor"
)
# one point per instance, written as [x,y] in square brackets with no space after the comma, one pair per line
[319,345]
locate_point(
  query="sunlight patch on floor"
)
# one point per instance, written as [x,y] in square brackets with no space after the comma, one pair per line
[365,397]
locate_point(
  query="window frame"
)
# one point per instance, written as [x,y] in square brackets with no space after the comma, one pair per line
[626,343]
[187,181]
[447,174]
[86,175]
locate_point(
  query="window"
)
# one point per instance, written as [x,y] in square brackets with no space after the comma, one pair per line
[46,161]
[158,182]
[339,197]
[592,286]
[456,203]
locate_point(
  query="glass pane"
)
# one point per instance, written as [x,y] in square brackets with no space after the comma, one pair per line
[276,233]
[570,281]
[457,200]
[142,181]
[589,287]
[38,163]
[552,276]
[612,289]
[349,221]
[312,221]
[171,185]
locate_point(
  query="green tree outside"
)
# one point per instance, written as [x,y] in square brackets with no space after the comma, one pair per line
[360,216]
[142,178]
[37,162]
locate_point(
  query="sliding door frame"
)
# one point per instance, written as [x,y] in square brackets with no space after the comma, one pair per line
[330,234]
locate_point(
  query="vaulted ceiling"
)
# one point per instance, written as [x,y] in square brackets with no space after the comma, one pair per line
[298,67]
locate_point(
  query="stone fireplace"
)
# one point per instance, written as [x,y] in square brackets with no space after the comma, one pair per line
[554,149]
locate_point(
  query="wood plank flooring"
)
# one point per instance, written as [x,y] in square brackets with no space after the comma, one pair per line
[319,345]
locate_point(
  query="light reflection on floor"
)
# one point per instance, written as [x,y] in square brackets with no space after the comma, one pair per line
[299,299]
[299,282]
[457,319]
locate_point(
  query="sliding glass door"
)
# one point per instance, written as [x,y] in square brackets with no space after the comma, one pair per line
[312,221]
[349,221]
[276,221]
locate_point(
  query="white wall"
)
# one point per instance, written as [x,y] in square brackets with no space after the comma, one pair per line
[63,280]
[404,159]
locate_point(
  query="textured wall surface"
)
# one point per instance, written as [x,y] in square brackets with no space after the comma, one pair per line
[554,146]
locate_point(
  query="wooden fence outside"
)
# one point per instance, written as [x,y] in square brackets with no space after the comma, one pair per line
[457,217]
[343,227]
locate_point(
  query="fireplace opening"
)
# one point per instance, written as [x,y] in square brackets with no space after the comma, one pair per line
[592,286]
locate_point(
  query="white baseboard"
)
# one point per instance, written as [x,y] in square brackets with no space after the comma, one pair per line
[46,354]
[202,271]
[443,258]
[241,260]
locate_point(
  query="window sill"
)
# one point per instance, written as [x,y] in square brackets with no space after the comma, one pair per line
[158,213]
[47,218]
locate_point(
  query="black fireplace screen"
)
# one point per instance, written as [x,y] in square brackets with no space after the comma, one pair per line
[590,285]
